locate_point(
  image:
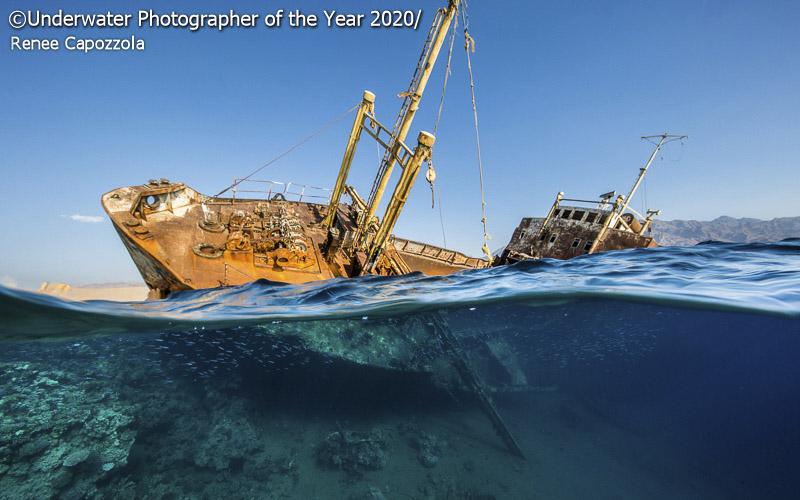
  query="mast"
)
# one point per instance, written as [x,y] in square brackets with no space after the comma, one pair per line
[430,53]
[367,106]
[621,204]
[662,140]
[421,153]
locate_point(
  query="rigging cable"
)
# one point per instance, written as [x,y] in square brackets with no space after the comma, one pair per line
[320,130]
[407,96]
[430,175]
[469,45]
[644,199]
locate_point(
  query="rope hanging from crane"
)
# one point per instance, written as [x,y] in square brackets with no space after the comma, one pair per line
[430,175]
[469,47]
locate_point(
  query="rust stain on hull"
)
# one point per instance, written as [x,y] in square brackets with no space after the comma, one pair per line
[180,239]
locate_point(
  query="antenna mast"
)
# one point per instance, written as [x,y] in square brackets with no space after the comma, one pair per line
[663,139]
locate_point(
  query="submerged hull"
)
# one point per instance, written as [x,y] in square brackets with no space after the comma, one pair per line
[180,239]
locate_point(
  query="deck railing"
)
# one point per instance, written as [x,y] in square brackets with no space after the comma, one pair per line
[290,191]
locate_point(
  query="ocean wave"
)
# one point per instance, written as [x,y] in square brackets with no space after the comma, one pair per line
[755,277]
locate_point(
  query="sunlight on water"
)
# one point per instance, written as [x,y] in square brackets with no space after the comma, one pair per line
[668,373]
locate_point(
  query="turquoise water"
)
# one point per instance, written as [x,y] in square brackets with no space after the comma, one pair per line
[662,373]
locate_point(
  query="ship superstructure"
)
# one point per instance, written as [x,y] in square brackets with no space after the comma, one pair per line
[576,227]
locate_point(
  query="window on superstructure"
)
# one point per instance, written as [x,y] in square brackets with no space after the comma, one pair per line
[565,214]
[576,242]
[588,246]
[591,217]
[578,215]
[553,238]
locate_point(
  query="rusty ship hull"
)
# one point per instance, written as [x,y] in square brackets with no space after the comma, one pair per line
[180,239]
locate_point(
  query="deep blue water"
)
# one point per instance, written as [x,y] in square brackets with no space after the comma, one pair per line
[659,373]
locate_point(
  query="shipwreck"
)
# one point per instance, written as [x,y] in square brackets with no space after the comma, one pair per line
[181,239]
[576,227]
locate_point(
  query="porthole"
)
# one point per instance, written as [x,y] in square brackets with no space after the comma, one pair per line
[151,201]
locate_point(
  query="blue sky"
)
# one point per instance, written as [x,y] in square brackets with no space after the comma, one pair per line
[564,91]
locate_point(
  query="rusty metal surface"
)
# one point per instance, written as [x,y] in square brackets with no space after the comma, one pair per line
[434,260]
[566,237]
[180,239]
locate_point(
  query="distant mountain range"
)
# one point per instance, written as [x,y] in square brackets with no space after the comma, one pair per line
[689,232]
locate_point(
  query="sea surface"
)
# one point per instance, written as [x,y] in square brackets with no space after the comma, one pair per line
[667,373]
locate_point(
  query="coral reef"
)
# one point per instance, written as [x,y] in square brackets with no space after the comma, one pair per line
[428,448]
[59,437]
[227,444]
[165,417]
[353,452]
